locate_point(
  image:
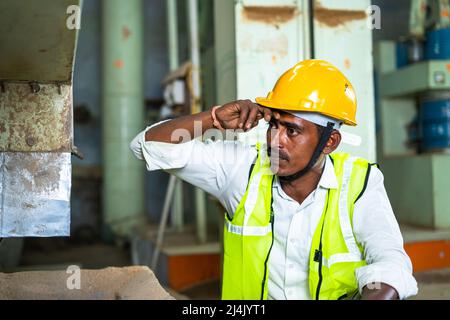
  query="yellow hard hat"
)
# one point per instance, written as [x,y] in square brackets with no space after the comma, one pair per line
[314,86]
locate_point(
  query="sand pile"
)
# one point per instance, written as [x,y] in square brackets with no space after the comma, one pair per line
[136,283]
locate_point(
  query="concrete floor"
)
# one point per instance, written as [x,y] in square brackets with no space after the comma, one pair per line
[53,254]
[433,285]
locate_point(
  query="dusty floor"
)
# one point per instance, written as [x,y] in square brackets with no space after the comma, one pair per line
[45,254]
[433,285]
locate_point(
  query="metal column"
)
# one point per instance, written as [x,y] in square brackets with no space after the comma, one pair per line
[123,113]
[196,107]
[172,28]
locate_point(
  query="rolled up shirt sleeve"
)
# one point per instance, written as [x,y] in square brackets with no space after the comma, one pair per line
[377,230]
[209,165]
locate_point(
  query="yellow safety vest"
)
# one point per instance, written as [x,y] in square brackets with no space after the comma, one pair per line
[334,255]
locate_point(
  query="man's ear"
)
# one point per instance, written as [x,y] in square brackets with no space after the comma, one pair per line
[333,142]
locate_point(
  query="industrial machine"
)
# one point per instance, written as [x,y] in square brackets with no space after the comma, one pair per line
[414,111]
[36,136]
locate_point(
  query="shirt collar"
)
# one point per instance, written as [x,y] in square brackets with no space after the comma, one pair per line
[328,180]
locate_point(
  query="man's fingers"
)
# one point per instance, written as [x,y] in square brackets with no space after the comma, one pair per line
[243,115]
[251,117]
[276,115]
[266,113]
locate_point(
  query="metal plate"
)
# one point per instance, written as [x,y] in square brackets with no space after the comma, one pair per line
[35,194]
[342,37]
[39,121]
[269,40]
[36,43]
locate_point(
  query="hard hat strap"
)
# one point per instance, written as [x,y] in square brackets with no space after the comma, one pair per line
[320,146]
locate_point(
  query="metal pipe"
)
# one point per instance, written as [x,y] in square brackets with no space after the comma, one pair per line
[122,113]
[311,29]
[195,54]
[225,51]
[163,223]
[306,21]
[196,107]
[172,30]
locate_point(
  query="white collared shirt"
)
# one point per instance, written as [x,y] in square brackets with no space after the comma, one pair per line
[222,168]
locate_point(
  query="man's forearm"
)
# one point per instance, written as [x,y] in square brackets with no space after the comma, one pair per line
[166,132]
[385,292]
[237,115]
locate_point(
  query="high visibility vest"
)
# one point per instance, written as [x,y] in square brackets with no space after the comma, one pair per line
[334,253]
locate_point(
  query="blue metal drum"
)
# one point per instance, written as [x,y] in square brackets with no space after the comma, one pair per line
[437,46]
[401,48]
[434,119]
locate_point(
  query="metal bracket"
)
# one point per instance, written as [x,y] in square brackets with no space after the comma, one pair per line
[76,152]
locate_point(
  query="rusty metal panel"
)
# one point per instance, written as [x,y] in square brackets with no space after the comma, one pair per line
[34,194]
[270,38]
[40,122]
[268,42]
[343,37]
[37,40]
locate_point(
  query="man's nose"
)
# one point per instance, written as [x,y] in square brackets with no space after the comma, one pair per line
[277,140]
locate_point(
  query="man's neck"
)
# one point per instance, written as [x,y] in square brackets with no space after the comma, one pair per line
[299,189]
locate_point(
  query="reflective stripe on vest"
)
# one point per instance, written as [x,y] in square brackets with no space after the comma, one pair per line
[248,231]
[344,219]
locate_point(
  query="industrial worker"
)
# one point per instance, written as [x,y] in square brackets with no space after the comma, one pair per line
[302,222]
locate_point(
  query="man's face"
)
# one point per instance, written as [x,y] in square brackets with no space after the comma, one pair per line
[291,143]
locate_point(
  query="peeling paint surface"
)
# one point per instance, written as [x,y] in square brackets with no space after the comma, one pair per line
[343,38]
[35,194]
[269,40]
[269,14]
[39,121]
[334,17]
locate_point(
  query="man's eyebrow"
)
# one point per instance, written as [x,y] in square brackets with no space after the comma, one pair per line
[290,125]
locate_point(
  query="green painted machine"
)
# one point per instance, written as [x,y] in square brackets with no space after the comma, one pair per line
[417,178]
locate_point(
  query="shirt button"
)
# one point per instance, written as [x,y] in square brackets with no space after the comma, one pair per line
[292,240]
[290,266]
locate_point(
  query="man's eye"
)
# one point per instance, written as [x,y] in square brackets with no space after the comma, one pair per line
[291,131]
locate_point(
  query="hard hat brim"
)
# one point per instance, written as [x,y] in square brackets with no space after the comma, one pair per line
[269,103]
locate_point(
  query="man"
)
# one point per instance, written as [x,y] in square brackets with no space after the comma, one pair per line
[302,222]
